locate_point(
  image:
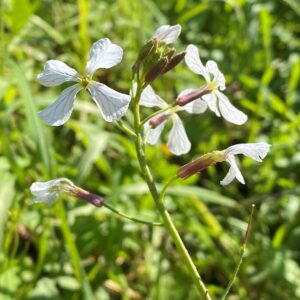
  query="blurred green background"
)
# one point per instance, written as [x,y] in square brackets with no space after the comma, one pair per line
[76,251]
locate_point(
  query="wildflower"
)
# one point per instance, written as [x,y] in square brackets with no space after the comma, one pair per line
[112,104]
[156,57]
[256,151]
[211,92]
[48,192]
[167,34]
[178,142]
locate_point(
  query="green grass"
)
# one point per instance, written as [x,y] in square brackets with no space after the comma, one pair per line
[75,251]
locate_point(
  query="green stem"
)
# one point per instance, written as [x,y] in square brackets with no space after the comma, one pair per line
[163,191]
[245,242]
[122,126]
[169,225]
[131,218]
[236,270]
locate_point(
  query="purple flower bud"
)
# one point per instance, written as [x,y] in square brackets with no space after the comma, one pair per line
[158,119]
[182,100]
[156,70]
[173,62]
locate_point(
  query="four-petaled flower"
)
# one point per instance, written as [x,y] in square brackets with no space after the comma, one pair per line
[166,33]
[256,151]
[216,101]
[112,104]
[178,142]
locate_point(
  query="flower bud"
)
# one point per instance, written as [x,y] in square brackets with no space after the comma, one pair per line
[158,119]
[173,62]
[200,164]
[156,70]
[169,52]
[193,95]
[147,49]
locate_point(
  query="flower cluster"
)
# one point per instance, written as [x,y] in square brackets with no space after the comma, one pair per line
[155,58]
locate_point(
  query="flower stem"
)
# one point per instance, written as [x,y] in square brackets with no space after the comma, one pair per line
[158,198]
[122,126]
[236,270]
[243,249]
[129,217]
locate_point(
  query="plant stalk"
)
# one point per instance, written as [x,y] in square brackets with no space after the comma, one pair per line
[168,223]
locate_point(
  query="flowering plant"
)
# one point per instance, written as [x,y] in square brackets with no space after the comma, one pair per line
[156,58]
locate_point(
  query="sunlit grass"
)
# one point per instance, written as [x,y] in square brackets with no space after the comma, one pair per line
[74,251]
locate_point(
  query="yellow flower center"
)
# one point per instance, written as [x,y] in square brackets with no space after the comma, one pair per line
[213,86]
[84,81]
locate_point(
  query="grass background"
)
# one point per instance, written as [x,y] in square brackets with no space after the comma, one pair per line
[75,251]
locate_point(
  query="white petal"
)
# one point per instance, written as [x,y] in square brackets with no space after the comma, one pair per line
[112,104]
[211,100]
[150,99]
[228,111]
[103,54]
[50,198]
[197,106]
[234,172]
[212,68]
[48,192]
[256,151]
[193,61]
[167,33]
[60,111]
[178,142]
[152,135]
[56,72]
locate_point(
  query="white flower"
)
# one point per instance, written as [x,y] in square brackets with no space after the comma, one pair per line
[48,192]
[112,104]
[167,33]
[216,101]
[256,151]
[178,142]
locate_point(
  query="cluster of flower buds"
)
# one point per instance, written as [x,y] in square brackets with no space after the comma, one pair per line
[156,57]
[48,192]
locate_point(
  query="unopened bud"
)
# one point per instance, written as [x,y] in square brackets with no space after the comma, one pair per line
[158,119]
[147,50]
[169,52]
[173,62]
[156,70]
[193,95]
[200,164]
